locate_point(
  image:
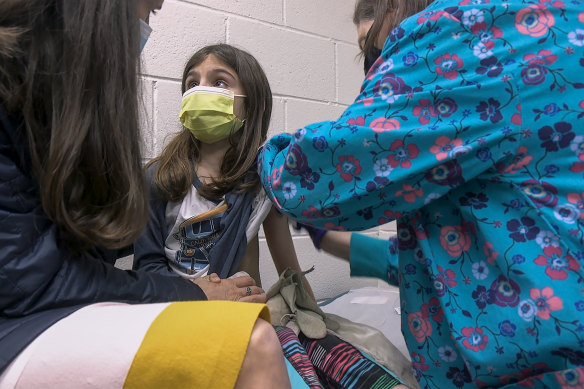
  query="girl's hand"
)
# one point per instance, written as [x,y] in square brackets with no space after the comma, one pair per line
[234,289]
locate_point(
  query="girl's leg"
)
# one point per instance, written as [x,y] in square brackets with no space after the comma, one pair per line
[263,366]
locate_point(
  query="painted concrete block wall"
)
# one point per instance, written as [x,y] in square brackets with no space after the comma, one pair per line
[308,51]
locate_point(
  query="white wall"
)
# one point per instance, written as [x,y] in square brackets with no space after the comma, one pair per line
[308,51]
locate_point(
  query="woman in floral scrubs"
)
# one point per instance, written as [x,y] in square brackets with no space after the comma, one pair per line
[469,131]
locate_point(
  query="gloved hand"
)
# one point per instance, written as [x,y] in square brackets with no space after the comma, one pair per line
[316,234]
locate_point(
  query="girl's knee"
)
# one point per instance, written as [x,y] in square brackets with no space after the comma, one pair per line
[263,339]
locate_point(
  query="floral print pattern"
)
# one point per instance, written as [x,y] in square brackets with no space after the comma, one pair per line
[469,130]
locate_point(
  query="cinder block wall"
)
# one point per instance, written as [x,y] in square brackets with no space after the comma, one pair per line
[309,53]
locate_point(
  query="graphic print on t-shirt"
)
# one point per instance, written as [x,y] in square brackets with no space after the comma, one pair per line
[197,236]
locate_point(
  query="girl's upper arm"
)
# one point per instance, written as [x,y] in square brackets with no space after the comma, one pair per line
[279,241]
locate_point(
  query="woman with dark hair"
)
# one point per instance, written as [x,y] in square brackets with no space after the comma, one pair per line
[72,192]
[467,131]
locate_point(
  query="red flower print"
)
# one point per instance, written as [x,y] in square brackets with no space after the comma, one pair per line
[389,216]
[475,339]
[516,118]
[534,20]
[543,57]
[444,280]
[443,146]
[448,65]
[433,310]
[554,3]
[556,264]
[454,240]
[348,166]
[409,193]
[425,111]
[419,326]
[490,253]
[486,34]
[571,378]
[578,201]
[382,124]
[520,160]
[545,301]
[419,362]
[358,121]
[311,213]
[334,227]
[401,154]
[276,174]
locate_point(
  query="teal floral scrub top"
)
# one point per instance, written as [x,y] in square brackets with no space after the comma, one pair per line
[469,131]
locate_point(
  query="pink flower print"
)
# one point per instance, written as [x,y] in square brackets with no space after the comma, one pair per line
[389,216]
[475,339]
[425,111]
[554,3]
[429,15]
[443,146]
[578,201]
[444,281]
[448,65]
[419,364]
[545,301]
[311,213]
[401,154]
[557,265]
[348,166]
[419,326]
[490,253]
[543,57]
[516,118]
[382,124]
[368,101]
[358,121]
[409,193]
[486,34]
[454,240]
[334,227]
[520,160]
[534,20]
[276,174]
[581,17]
[571,378]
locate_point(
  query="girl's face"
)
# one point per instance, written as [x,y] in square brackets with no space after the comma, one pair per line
[213,72]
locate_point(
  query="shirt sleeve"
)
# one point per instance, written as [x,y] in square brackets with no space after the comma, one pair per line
[38,272]
[367,259]
[426,121]
[149,254]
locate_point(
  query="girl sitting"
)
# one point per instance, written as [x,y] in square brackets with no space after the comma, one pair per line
[206,203]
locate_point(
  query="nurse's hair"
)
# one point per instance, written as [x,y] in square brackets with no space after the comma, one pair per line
[68,74]
[376,10]
[176,165]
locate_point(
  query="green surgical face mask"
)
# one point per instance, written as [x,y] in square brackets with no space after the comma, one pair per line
[208,113]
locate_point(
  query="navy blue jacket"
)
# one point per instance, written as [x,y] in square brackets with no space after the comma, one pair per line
[40,280]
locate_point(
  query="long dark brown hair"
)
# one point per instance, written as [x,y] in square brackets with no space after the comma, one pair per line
[176,165]
[68,70]
[376,10]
